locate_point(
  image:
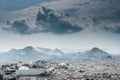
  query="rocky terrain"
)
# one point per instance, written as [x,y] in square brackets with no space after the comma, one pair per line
[81,70]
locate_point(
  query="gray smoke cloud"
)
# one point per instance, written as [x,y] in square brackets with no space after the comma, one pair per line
[46,21]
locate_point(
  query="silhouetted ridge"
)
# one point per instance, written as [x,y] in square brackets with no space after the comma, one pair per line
[95,49]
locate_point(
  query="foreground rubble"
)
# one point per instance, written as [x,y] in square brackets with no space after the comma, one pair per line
[44,70]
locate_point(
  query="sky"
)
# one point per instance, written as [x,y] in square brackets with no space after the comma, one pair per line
[51,25]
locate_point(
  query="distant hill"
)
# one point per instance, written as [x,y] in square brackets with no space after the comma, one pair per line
[93,54]
[97,53]
[30,53]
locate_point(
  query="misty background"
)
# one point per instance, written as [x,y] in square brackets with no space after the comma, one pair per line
[62,24]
